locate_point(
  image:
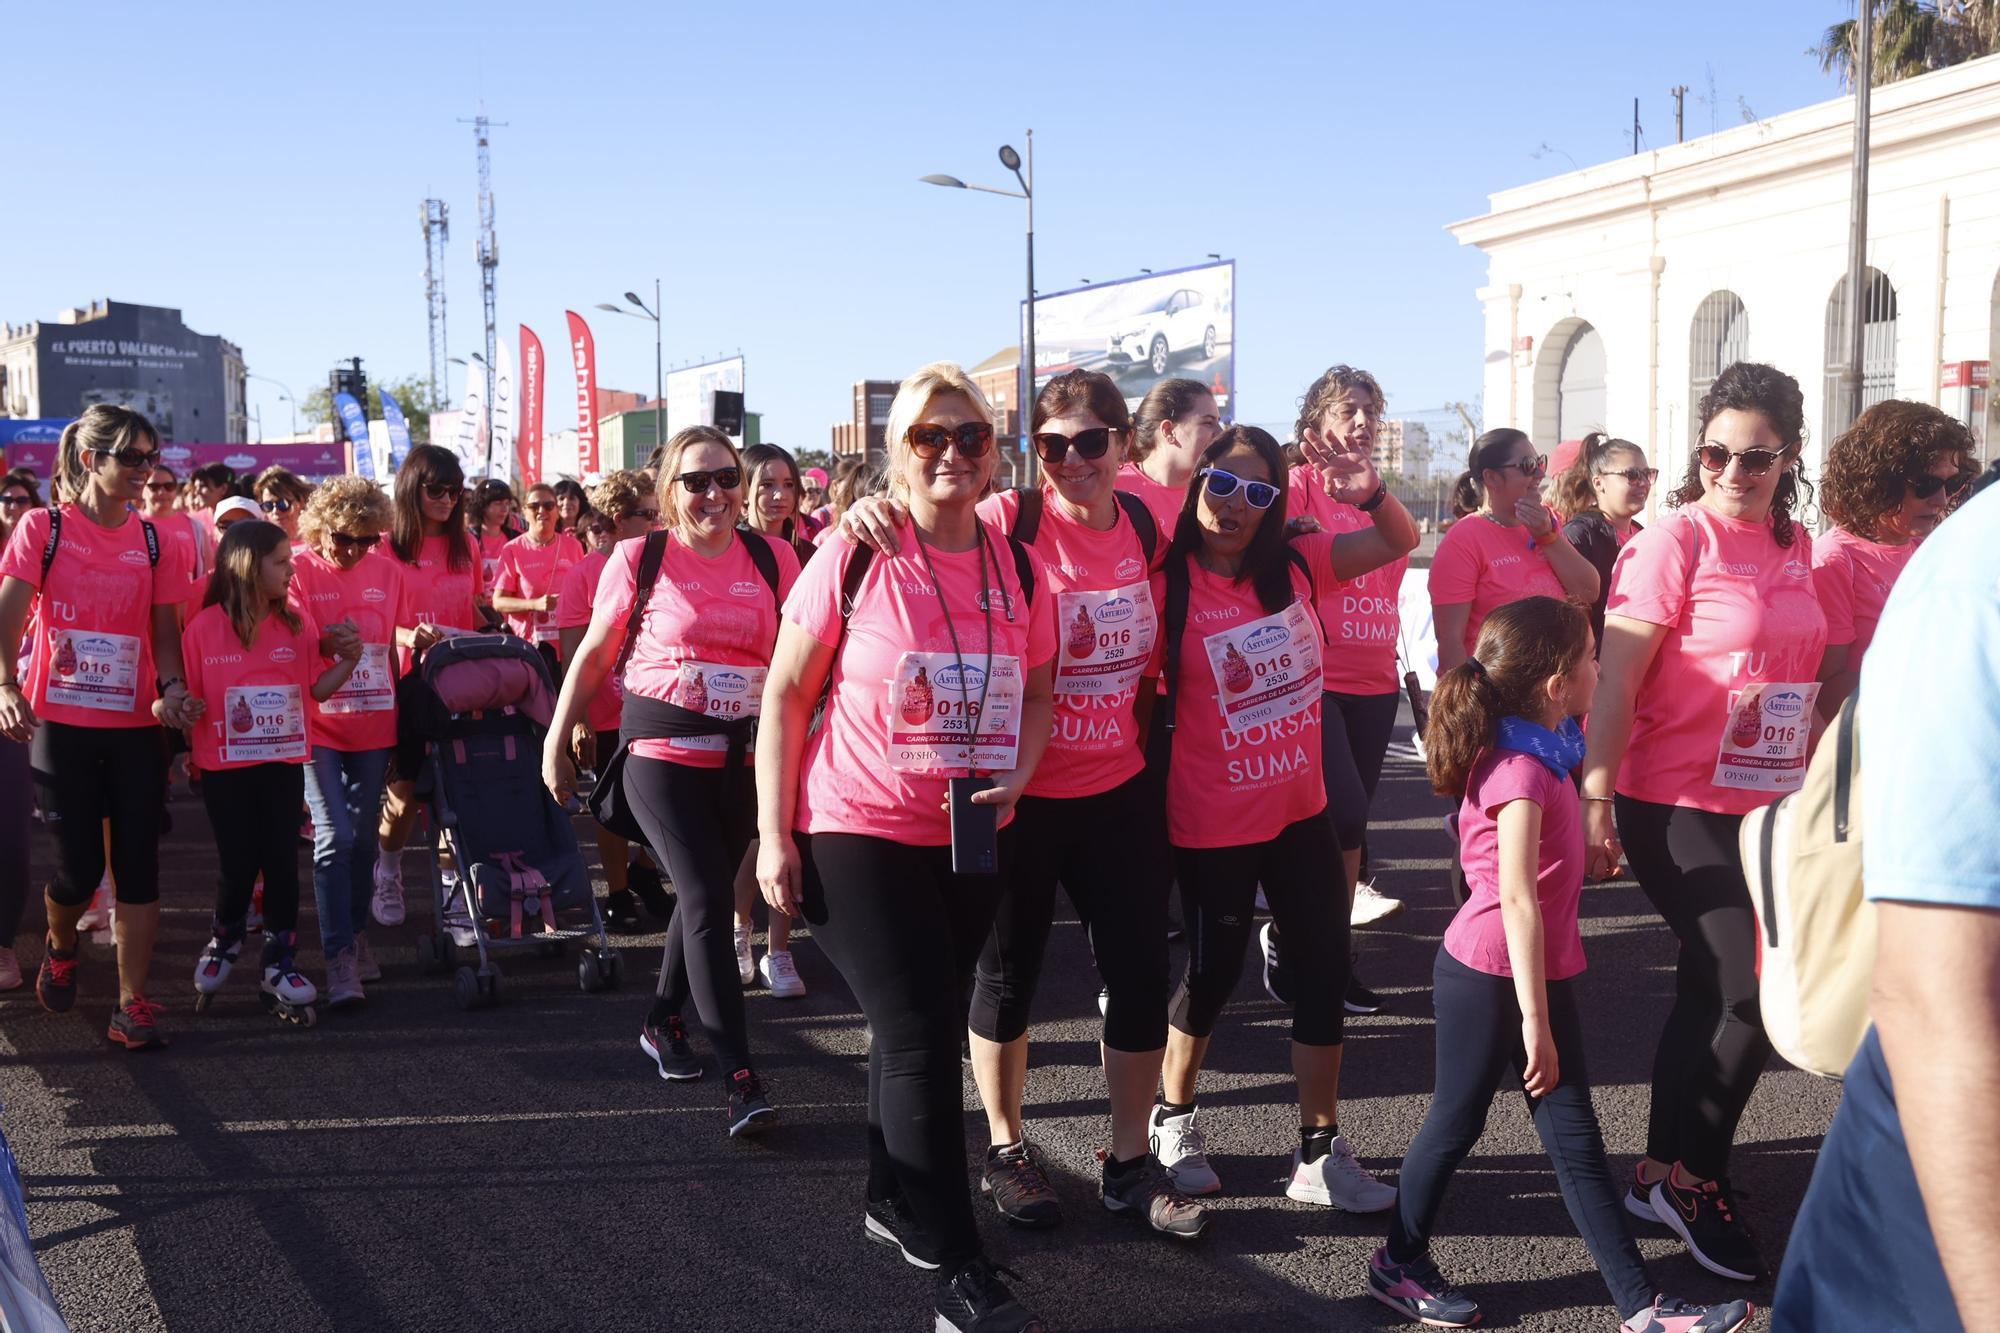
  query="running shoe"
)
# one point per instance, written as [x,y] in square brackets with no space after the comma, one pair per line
[1338,1181]
[1418,1291]
[1371,905]
[1019,1188]
[1277,982]
[1702,1216]
[136,1025]
[1639,1200]
[780,975]
[643,878]
[10,970]
[746,966]
[1178,1142]
[1359,999]
[1671,1316]
[621,912]
[365,966]
[890,1222]
[667,1043]
[343,980]
[1144,1190]
[97,916]
[55,983]
[750,1113]
[974,1300]
[387,906]
[1104,1001]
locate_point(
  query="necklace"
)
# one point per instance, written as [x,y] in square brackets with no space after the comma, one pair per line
[966,708]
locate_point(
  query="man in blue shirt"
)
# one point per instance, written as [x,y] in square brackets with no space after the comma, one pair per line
[1901,1226]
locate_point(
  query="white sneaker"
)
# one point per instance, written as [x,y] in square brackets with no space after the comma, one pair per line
[387,907]
[1104,1001]
[1372,905]
[746,968]
[97,916]
[1177,1141]
[779,974]
[1338,1181]
[343,986]
[10,970]
[1417,744]
[365,966]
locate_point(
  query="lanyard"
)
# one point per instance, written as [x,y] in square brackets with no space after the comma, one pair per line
[972,719]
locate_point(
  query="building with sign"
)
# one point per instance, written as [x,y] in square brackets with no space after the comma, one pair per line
[1616,293]
[189,385]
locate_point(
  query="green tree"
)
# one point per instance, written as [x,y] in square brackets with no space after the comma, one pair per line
[412,393]
[1911,37]
[810,458]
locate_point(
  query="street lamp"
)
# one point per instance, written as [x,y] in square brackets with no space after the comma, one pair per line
[1012,161]
[285,397]
[659,377]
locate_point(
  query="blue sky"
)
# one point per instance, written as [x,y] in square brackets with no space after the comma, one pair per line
[262,168]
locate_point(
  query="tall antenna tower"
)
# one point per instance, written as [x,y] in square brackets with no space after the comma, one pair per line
[437,228]
[489,255]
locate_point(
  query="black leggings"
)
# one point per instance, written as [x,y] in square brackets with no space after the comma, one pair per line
[1713,1046]
[1109,851]
[1478,1041]
[17,820]
[904,931]
[254,813]
[1353,740]
[90,774]
[1302,880]
[681,809]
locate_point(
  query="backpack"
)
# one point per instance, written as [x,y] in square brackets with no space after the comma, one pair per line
[1028,521]
[755,544]
[1815,933]
[54,543]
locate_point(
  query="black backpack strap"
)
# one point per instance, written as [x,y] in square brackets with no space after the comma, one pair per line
[1143,523]
[1024,568]
[1028,521]
[152,543]
[650,560]
[762,556]
[851,578]
[1174,616]
[54,543]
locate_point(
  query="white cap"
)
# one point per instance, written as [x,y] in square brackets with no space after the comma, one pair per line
[238,504]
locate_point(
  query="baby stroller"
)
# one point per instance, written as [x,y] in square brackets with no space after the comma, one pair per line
[484,710]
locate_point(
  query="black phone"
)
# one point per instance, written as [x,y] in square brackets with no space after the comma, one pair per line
[975,830]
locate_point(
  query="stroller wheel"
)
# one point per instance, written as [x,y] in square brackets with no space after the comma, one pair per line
[466,982]
[430,954]
[588,975]
[489,986]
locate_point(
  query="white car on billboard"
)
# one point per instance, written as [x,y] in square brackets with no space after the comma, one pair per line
[1178,323]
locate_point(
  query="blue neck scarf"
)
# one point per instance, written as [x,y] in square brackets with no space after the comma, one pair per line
[1560,750]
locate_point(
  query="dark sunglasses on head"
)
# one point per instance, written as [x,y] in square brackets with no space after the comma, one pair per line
[1053,447]
[276,506]
[1635,475]
[130,457]
[697,483]
[162,485]
[1533,466]
[440,490]
[1222,485]
[358,543]
[973,439]
[1924,487]
[1754,462]
[539,506]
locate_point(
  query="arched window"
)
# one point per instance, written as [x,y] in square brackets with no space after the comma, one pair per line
[1719,337]
[1878,349]
[1580,404]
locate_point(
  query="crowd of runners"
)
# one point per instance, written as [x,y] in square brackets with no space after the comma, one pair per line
[898,707]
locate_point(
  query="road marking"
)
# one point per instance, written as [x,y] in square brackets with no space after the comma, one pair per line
[96,1133]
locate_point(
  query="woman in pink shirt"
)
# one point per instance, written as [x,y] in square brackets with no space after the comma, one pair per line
[1711,656]
[527,588]
[936,665]
[1889,481]
[690,636]
[282,495]
[1176,420]
[1508,545]
[487,515]
[104,670]
[253,665]
[161,507]
[1599,498]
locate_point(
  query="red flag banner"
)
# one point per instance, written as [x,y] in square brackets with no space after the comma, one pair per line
[584,349]
[528,444]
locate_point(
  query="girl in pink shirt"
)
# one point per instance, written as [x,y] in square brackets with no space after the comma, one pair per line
[1176,420]
[1711,656]
[253,665]
[527,588]
[936,664]
[1503,741]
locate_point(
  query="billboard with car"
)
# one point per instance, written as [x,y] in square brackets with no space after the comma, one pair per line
[1139,331]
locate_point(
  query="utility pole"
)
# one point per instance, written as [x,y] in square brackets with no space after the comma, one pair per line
[1852,383]
[1679,93]
[1635,125]
[489,258]
[437,229]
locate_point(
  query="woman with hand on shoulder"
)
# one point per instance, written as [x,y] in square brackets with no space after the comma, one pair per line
[1600,497]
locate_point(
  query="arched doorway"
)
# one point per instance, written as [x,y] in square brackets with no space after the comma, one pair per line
[1878,350]
[1580,400]
[1719,337]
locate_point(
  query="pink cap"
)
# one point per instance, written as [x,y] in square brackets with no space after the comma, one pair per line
[816,476]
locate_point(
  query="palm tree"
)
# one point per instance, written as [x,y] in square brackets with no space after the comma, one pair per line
[1913,37]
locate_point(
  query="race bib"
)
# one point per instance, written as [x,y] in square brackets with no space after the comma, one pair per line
[726,693]
[938,721]
[1764,743]
[371,688]
[545,628]
[89,669]
[1107,638]
[263,722]
[1267,669]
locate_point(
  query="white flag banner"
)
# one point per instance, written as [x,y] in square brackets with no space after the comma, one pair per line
[470,442]
[503,410]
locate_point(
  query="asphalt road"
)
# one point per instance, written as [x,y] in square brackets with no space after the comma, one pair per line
[410,1166]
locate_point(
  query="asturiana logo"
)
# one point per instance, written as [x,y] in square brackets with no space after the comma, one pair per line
[1785,706]
[270,701]
[1116,611]
[728,682]
[241,462]
[133,558]
[743,588]
[1128,568]
[283,654]
[955,677]
[1265,639]
[1798,569]
[374,595]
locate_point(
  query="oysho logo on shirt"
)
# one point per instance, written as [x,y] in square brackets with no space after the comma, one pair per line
[1502,562]
[226,659]
[916,588]
[688,585]
[1128,568]
[1220,613]
[1746,569]
[743,588]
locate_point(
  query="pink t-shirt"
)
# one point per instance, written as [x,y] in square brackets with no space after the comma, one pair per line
[361,715]
[1164,501]
[1106,626]
[180,529]
[1477,936]
[528,570]
[1246,761]
[1361,615]
[1853,577]
[488,546]
[866,771]
[436,594]
[257,697]
[705,641]
[573,611]
[1739,609]
[1484,565]
[91,651]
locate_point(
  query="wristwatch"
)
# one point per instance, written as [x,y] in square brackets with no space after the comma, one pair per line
[1374,502]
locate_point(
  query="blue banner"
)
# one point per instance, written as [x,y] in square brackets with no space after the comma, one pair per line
[356,422]
[399,433]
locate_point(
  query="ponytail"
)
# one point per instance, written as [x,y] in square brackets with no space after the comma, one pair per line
[1489,451]
[103,428]
[1574,493]
[1521,645]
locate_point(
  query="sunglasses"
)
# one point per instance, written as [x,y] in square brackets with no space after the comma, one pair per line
[1052,447]
[540,506]
[650,515]
[15,501]
[697,483]
[162,486]
[275,506]
[130,457]
[348,539]
[440,490]
[1534,466]
[1754,462]
[1221,485]
[1924,487]
[1635,475]
[973,439]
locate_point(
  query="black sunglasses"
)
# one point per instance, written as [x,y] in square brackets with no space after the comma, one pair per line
[1052,447]
[1222,485]
[162,485]
[650,515]
[697,483]
[973,439]
[276,506]
[360,543]
[439,490]
[1754,462]
[539,506]
[1924,487]
[15,501]
[1635,475]
[1534,465]
[130,457]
